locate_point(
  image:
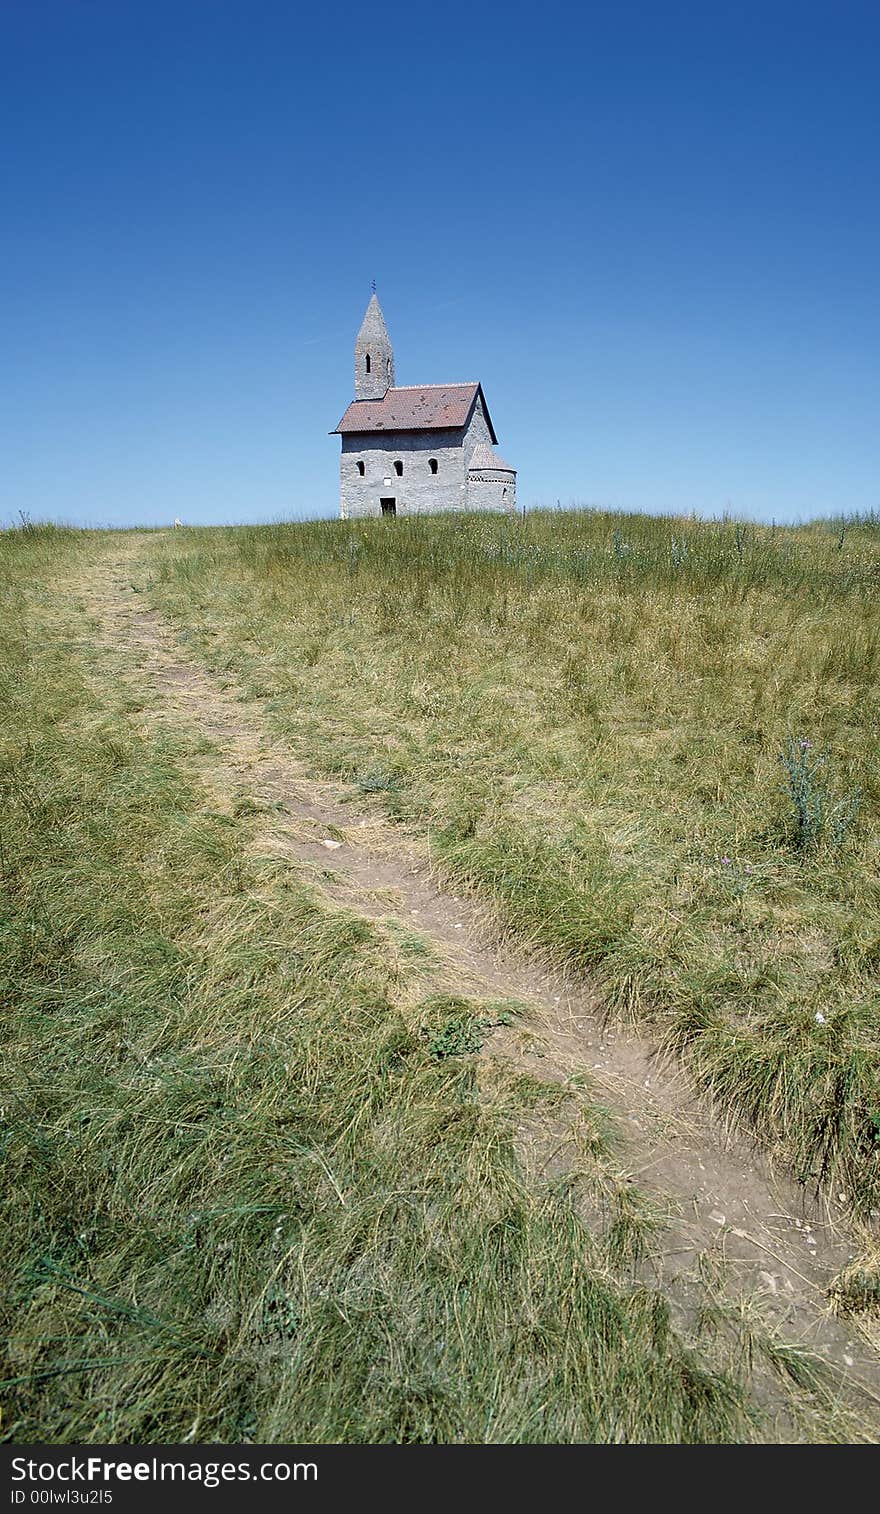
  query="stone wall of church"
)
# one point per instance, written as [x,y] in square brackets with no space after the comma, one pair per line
[416,490]
[486,488]
[491,489]
[477,431]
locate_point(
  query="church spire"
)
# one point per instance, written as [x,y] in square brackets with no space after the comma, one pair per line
[373,355]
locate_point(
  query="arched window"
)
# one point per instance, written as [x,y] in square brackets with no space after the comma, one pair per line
[367,361]
[361,469]
[432,464]
[398,468]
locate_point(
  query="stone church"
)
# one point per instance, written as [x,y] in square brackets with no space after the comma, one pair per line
[413,448]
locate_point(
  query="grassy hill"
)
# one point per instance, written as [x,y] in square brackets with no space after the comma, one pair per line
[261,1182]
[652,744]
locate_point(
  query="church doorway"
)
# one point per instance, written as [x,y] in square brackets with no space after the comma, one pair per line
[389,506]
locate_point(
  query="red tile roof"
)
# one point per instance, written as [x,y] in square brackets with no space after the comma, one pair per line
[426,407]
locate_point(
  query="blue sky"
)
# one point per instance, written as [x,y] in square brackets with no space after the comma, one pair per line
[651,230]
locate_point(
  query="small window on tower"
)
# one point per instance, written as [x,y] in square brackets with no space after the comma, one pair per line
[367,361]
[398,468]
[361,469]
[432,464]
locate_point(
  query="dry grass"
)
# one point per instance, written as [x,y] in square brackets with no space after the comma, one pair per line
[587,714]
[259,1184]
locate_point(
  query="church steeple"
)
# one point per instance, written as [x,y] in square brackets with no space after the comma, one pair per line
[373,355]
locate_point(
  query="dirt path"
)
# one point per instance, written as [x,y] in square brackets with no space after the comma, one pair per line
[775,1241]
